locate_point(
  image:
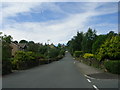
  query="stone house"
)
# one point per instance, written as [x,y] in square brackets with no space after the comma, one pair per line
[18,47]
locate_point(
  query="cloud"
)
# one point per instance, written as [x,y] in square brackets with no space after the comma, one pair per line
[58,31]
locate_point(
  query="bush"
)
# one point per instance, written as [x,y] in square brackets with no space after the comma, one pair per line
[88,55]
[78,53]
[24,60]
[110,49]
[6,55]
[62,52]
[53,53]
[112,66]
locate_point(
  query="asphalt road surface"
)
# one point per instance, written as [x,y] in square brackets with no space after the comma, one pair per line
[58,74]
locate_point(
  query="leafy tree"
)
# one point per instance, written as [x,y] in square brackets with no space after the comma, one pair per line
[23,41]
[16,42]
[110,49]
[7,39]
[98,42]
[88,40]
[75,43]
[6,54]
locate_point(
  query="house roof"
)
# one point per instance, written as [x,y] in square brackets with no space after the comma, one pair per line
[22,45]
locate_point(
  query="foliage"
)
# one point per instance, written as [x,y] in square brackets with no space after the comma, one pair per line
[78,53]
[7,39]
[82,42]
[62,52]
[75,43]
[6,51]
[6,54]
[88,55]
[23,60]
[33,47]
[23,41]
[88,40]
[110,49]
[98,42]
[53,52]
[113,66]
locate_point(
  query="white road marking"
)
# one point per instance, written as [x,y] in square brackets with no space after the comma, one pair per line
[74,62]
[95,87]
[88,80]
[89,77]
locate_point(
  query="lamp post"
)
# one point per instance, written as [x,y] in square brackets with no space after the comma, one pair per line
[48,49]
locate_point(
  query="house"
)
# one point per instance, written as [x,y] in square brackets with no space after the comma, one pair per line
[18,47]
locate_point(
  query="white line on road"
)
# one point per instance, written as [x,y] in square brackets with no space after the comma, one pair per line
[88,77]
[74,62]
[95,87]
[88,80]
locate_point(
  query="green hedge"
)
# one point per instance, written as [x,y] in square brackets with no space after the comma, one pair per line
[6,55]
[78,53]
[24,60]
[113,66]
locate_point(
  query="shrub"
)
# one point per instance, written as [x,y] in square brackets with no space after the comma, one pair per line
[78,53]
[53,52]
[110,49]
[6,55]
[62,52]
[113,66]
[23,60]
[88,55]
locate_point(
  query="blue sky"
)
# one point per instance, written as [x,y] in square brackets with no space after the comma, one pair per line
[57,21]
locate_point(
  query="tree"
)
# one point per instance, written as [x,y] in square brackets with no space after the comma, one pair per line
[110,49]
[7,39]
[98,42]
[75,43]
[23,41]
[6,54]
[88,40]
[16,42]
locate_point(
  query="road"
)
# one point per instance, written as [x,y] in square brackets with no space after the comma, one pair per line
[58,74]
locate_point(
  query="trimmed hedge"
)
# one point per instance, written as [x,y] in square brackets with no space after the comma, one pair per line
[24,60]
[78,53]
[113,66]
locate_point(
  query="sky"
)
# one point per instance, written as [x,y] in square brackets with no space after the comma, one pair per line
[56,21]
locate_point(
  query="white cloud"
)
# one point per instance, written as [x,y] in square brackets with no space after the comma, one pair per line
[58,31]
[14,9]
[59,0]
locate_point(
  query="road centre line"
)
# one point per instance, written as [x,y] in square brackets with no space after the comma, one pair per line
[95,87]
[88,80]
[89,77]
